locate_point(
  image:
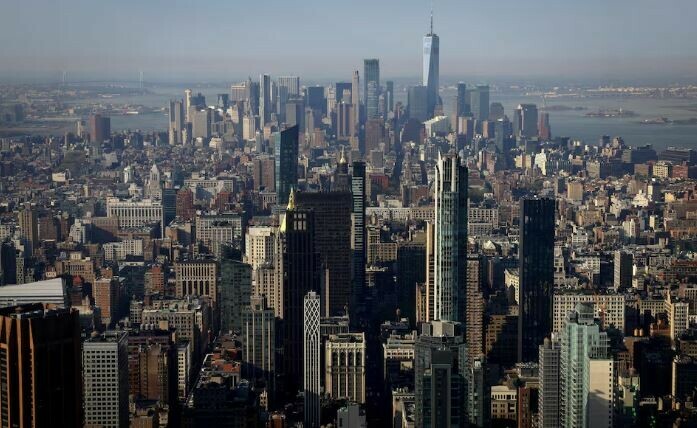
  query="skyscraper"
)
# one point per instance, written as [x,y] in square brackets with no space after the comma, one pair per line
[300,275]
[623,270]
[479,102]
[311,358]
[235,293]
[29,226]
[41,370]
[100,128]
[355,101]
[430,76]
[417,100]
[371,74]
[450,267]
[259,343]
[462,102]
[440,375]
[544,129]
[358,222]
[290,82]
[265,106]
[549,401]
[333,243]
[105,376]
[525,121]
[389,92]
[176,122]
[586,372]
[535,275]
[286,158]
[187,105]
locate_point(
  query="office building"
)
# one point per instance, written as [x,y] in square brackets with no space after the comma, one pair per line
[535,275]
[479,102]
[299,271]
[286,158]
[371,86]
[314,95]
[430,74]
[100,128]
[623,270]
[29,227]
[292,83]
[525,121]
[176,122]
[265,107]
[389,92]
[134,213]
[332,214]
[545,130]
[440,375]
[201,121]
[259,343]
[450,273]
[105,376]
[311,357]
[462,102]
[608,307]
[345,367]
[41,371]
[235,293]
[196,278]
[417,100]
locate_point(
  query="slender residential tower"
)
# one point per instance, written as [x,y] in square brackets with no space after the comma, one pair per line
[430,67]
[450,258]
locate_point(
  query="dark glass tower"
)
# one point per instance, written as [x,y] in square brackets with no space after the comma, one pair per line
[462,102]
[286,157]
[299,275]
[332,214]
[536,275]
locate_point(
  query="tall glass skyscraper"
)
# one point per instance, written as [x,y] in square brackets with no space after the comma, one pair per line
[450,260]
[536,275]
[371,86]
[265,107]
[286,158]
[430,67]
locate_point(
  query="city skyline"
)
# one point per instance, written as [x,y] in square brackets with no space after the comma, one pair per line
[535,39]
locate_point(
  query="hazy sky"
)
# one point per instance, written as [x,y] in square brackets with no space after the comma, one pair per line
[179,39]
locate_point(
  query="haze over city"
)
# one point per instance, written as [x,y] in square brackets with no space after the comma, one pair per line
[214,40]
[316,214]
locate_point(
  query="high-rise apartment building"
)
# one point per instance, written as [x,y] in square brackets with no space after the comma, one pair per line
[450,270]
[535,275]
[41,371]
[549,375]
[359,247]
[105,376]
[587,377]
